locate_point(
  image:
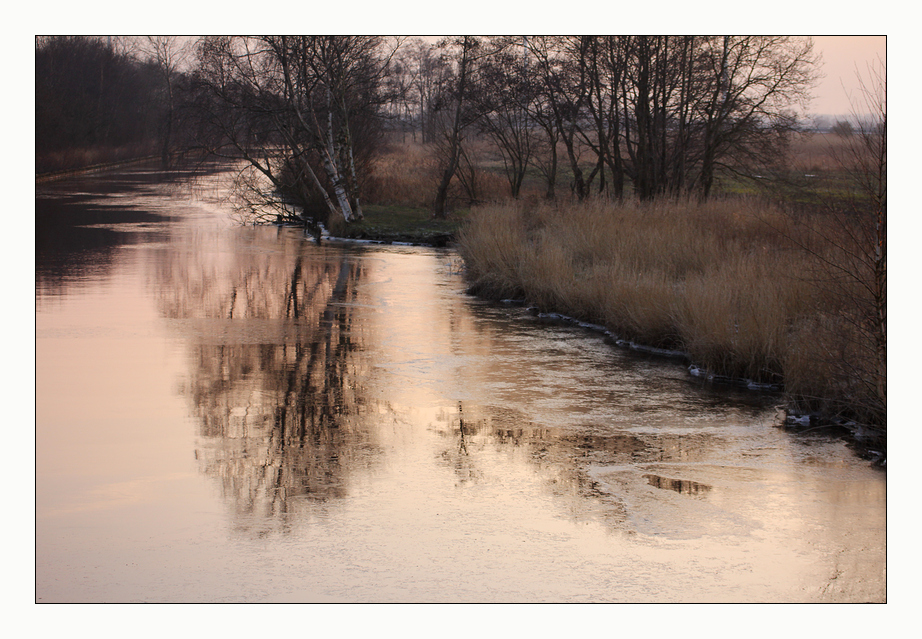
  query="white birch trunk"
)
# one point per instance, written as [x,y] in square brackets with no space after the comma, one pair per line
[343,198]
[355,183]
[333,171]
[323,192]
[339,189]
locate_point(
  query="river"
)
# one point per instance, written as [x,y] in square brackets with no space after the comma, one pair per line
[236,414]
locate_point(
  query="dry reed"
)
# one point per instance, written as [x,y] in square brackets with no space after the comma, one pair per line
[403,175]
[722,281]
[407,174]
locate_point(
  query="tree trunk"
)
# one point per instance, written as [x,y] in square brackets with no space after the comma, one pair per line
[441,197]
[168,127]
[454,144]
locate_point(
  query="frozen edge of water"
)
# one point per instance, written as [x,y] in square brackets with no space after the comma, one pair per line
[791,419]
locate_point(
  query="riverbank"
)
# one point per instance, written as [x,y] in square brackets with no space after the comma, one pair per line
[399,225]
[281,415]
[93,168]
[177,159]
[723,283]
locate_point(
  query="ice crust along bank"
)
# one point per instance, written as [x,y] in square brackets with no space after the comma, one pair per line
[867,443]
[723,281]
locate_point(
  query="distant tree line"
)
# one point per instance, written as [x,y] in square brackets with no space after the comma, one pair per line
[661,114]
[91,94]
[611,115]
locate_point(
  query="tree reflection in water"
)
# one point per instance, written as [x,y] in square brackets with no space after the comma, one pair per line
[289,385]
[682,486]
[274,381]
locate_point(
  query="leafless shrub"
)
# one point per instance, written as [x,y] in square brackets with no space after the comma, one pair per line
[849,270]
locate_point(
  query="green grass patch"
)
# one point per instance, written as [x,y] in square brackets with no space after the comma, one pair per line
[401,224]
[820,190]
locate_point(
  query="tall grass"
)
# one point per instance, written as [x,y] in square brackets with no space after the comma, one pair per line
[407,174]
[726,281]
[403,175]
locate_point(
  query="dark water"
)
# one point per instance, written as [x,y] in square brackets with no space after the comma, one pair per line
[236,414]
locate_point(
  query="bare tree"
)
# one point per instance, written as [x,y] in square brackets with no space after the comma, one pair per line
[563,87]
[858,267]
[657,89]
[168,53]
[468,53]
[847,241]
[669,112]
[417,76]
[503,101]
[542,114]
[399,86]
[604,61]
[297,109]
[751,84]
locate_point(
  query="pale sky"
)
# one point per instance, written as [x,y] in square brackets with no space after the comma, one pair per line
[843,57]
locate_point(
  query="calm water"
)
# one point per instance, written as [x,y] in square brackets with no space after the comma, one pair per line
[235,414]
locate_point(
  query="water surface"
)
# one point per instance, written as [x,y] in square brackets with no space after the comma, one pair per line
[235,414]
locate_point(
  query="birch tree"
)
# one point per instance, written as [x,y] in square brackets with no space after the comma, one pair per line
[290,107]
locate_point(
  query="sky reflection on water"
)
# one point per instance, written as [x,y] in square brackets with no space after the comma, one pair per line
[237,414]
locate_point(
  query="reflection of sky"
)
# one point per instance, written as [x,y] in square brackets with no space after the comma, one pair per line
[108,424]
[158,445]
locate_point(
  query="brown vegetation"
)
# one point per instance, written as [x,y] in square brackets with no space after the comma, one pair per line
[403,174]
[786,288]
[722,281]
[51,162]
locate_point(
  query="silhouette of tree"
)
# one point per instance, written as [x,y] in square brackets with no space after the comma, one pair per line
[302,111]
